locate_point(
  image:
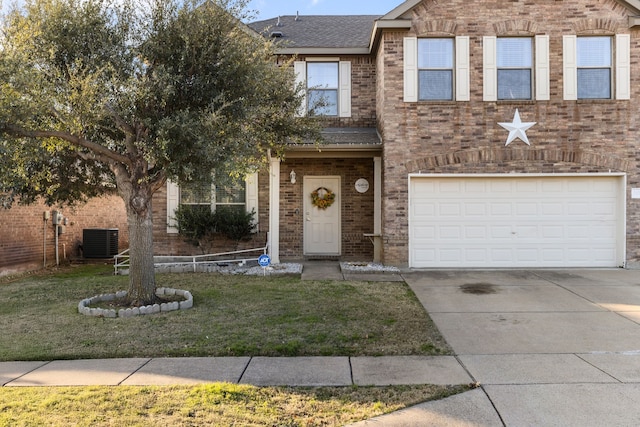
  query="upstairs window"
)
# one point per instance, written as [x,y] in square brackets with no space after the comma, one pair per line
[327,86]
[594,61]
[322,88]
[596,67]
[515,68]
[435,69]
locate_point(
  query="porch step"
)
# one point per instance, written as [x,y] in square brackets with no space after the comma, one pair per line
[321,270]
[322,258]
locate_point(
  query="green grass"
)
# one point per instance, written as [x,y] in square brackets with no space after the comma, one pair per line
[232,316]
[211,405]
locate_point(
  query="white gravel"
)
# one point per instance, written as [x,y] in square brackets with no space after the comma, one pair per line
[295,268]
[275,269]
[367,267]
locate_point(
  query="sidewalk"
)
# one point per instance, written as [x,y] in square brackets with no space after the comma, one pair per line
[258,371]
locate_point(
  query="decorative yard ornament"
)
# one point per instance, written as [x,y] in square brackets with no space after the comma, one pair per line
[517,129]
[322,198]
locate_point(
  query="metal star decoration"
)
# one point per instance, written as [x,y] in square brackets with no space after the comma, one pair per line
[517,129]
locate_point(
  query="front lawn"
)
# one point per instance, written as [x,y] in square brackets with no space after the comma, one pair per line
[232,316]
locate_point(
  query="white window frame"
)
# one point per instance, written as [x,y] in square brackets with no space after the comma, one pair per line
[621,63]
[173,201]
[461,88]
[428,69]
[344,84]
[530,68]
[540,77]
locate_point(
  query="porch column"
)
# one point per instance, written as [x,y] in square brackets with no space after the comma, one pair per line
[274,210]
[377,209]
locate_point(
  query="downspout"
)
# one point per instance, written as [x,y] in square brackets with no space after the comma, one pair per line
[57,255]
[44,240]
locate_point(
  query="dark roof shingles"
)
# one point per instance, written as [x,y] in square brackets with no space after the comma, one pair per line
[322,31]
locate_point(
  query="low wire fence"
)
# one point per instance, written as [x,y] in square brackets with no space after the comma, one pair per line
[193,262]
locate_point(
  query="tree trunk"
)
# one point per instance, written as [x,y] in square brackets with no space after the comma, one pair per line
[142,283]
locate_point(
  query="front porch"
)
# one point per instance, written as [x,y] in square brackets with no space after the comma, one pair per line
[349,168]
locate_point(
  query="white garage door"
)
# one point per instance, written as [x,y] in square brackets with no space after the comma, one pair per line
[516,221]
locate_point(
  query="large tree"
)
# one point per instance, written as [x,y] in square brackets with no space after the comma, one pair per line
[100,96]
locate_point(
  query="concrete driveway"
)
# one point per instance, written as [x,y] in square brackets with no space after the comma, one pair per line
[548,347]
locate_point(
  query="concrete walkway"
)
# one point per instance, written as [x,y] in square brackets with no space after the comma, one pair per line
[259,371]
[548,347]
[330,270]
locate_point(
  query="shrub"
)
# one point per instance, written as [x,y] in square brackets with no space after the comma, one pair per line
[195,221]
[236,224]
[199,224]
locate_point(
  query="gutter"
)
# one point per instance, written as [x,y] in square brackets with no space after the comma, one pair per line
[323,51]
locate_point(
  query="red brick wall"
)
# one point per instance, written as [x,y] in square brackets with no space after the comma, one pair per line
[24,234]
[570,136]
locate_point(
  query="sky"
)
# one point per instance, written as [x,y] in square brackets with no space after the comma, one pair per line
[272,8]
[266,9]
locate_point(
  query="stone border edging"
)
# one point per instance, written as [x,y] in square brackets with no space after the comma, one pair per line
[83,306]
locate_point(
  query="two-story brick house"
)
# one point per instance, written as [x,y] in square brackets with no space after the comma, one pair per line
[460,134]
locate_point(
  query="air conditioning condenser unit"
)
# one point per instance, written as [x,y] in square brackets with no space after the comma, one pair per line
[100,242]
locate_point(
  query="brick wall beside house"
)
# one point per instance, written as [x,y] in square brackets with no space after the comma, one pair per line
[24,234]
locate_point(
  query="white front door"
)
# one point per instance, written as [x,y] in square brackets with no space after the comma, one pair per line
[322,227]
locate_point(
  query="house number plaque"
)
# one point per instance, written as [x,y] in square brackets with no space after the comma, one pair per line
[362,185]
